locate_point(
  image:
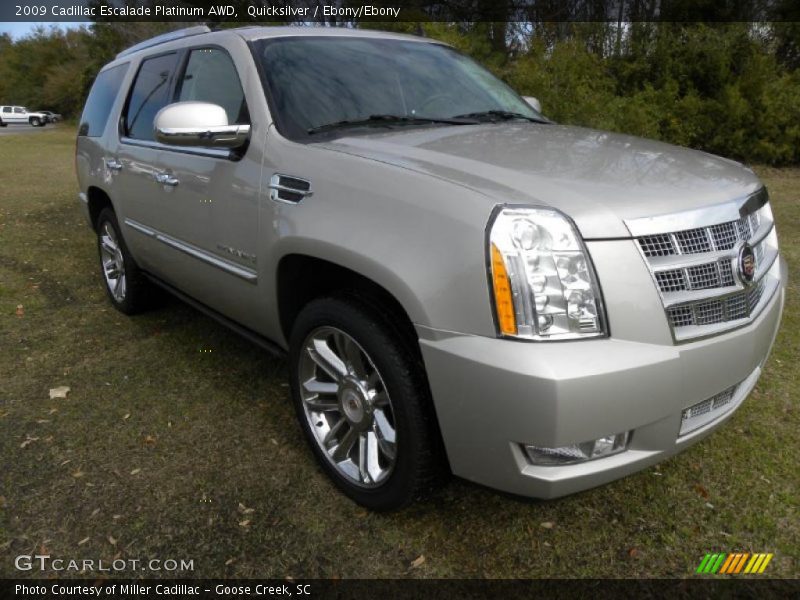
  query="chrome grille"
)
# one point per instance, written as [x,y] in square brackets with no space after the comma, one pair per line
[696,268]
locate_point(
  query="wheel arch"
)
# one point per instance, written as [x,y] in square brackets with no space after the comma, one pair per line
[300,278]
[97,199]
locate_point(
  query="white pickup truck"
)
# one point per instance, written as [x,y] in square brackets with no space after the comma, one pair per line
[20,114]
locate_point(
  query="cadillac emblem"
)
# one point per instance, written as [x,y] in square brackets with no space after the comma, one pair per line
[746,264]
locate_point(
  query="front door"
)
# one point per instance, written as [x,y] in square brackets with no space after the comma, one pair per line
[208,197]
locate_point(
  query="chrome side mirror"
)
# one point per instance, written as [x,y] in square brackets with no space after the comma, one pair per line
[198,124]
[534,102]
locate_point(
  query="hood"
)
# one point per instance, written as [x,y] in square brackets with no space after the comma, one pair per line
[598,178]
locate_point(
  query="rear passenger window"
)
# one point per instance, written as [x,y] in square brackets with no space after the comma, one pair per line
[150,93]
[210,76]
[101,99]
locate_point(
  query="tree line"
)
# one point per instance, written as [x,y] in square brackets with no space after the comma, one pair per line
[728,88]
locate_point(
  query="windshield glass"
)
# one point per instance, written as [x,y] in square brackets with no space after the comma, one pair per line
[316,81]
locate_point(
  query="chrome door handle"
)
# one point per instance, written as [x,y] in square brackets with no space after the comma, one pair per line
[113,164]
[166,179]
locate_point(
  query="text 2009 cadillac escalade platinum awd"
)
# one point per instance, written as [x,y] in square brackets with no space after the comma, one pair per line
[460,284]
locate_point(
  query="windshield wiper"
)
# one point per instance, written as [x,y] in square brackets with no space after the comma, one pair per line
[387,120]
[502,115]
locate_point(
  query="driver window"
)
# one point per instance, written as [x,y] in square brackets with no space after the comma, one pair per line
[210,76]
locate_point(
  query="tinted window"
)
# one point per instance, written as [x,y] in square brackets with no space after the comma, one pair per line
[150,93]
[6,109]
[19,110]
[315,81]
[210,76]
[101,99]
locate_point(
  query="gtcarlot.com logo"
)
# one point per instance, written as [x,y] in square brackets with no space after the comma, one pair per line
[734,563]
[44,562]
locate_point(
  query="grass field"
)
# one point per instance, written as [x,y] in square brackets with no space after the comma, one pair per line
[161,450]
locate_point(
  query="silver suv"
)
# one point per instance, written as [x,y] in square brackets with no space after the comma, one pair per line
[460,284]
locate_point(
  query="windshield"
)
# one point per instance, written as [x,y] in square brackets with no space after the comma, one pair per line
[316,81]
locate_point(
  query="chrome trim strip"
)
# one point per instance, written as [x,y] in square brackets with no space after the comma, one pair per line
[248,275]
[701,217]
[139,227]
[208,152]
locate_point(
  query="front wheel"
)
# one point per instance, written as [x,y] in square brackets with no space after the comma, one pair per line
[35,121]
[363,404]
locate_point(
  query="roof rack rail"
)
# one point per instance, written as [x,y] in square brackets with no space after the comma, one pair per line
[165,37]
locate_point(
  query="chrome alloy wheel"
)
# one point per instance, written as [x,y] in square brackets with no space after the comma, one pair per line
[347,407]
[113,262]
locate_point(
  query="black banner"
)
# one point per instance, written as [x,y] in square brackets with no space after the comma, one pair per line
[410,589]
[352,11]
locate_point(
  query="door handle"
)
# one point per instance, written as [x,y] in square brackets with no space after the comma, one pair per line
[113,164]
[166,179]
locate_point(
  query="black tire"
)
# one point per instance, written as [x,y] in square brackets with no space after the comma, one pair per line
[139,293]
[420,465]
[3,123]
[35,122]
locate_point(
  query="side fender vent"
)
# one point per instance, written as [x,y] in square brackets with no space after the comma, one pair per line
[289,190]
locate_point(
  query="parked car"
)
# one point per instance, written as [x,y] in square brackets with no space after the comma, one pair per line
[51,116]
[460,284]
[20,114]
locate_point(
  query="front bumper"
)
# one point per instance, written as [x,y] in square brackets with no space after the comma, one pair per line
[492,396]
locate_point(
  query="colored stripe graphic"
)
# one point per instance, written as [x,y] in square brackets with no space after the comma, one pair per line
[765,563]
[734,563]
[703,563]
[728,563]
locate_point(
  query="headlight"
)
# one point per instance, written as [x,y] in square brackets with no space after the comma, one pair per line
[543,283]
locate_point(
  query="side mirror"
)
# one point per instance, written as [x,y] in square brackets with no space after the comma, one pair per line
[534,102]
[198,124]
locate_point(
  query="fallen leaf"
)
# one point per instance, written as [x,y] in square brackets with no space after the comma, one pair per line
[29,440]
[274,441]
[115,517]
[94,512]
[135,471]
[77,474]
[244,523]
[230,561]
[43,421]
[52,411]
[112,540]
[632,552]
[126,416]
[244,510]
[59,392]
[709,505]
[149,440]
[417,562]
[69,460]
[701,490]
[20,311]
[547,524]
[83,541]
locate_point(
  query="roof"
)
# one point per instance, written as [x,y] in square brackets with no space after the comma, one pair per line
[257,32]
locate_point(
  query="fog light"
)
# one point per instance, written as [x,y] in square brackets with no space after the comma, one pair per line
[575,453]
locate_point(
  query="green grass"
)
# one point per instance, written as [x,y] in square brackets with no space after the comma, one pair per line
[158,443]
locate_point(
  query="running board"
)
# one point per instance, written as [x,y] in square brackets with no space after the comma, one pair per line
[250,335]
